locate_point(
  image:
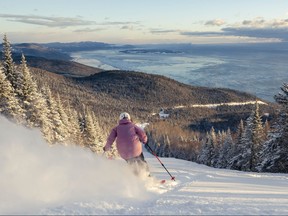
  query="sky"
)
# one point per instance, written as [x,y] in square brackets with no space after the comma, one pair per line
[149,21]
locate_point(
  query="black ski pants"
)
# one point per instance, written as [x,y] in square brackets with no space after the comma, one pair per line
[138,163]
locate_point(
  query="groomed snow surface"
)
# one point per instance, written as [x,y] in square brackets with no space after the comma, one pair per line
[38,179]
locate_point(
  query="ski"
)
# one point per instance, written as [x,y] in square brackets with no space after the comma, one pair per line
[162,181]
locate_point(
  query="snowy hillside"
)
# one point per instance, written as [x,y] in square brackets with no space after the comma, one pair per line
[38,179]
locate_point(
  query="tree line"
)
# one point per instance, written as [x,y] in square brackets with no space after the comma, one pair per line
[255,146]
[24,102]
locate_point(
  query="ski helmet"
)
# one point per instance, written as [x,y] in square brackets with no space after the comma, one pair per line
[124,115]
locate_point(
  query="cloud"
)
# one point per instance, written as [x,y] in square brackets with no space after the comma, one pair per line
[276,29]
[280,23]
[256,29]
[256,22]
[118,23]
[127,27]
[215,22]
[261,22]
[275,34]
[47,21]
[63,22]
[197,33]
[260,28]
[163,31]
[269,32]
[90,30]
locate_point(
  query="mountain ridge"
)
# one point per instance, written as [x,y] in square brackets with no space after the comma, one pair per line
[131,84]
[59,66]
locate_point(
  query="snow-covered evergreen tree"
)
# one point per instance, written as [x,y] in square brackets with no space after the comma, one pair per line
[225,151]
[237,145]
[207,151]
[92,134]
[57,133]
[74,127]
[9,105]
[258,137]
[47,123]
[204,151]
[100,139]
[242,151]
[215,146]
[274,155]
[89,130]
[240,129]
[32,100]
[249,144]
[282,99]
[81,122]
[64,126]
[266,129]
[220,138]
[9,68]
[269,156]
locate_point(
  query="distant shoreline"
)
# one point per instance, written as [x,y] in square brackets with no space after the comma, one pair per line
[244,71]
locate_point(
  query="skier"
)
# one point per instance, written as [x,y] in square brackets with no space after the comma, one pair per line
[129,139]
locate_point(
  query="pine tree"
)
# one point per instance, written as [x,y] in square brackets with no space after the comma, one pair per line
[100,140]
[236,148]
[64,126]
[9,68]
[269,156]
[91,132]
[31,99]
[242,151]
[207,151]
[266,129]
[282,99]
[81,122]
[225,151]
[74,128]
[47,123]
[214,147]
[56,134]
[248,146]
[240,129]
[274,155]
[220,138]
[9,105]
[257,137]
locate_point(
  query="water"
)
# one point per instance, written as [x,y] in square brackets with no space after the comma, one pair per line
[259,69]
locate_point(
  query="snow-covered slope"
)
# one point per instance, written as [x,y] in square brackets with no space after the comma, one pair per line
[38,179]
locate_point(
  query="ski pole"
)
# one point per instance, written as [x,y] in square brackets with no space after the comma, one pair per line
[172,177]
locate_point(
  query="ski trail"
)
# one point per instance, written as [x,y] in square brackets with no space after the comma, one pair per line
[220,104]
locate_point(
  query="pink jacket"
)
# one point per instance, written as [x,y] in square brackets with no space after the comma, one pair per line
[128,139]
